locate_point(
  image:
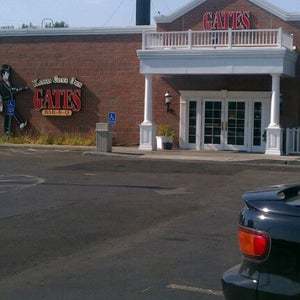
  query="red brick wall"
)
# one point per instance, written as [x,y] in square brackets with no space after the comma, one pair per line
[161,116]
[107,65]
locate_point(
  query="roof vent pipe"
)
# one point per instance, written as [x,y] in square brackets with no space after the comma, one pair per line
[143,8]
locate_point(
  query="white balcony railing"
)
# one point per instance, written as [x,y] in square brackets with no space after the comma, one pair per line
[217,39]
[292,141]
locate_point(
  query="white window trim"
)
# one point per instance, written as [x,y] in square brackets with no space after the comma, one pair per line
[199,97]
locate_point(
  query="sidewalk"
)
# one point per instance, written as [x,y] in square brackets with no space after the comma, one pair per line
[191,155]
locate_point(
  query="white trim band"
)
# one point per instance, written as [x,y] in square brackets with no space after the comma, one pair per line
[76,31]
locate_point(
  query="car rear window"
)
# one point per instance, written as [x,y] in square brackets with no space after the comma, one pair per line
[292,196]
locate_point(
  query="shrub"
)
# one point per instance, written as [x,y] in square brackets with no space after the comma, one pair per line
[165,130]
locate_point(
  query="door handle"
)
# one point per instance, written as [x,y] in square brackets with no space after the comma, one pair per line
[226,126]
[264,136]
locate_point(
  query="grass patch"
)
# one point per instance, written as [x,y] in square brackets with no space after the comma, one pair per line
[74,138]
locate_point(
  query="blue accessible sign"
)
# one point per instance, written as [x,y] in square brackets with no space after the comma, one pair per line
[11,107]
[112,118]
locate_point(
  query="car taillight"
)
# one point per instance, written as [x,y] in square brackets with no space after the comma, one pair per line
[253,244]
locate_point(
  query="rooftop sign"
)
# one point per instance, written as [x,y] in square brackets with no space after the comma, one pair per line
[223,20]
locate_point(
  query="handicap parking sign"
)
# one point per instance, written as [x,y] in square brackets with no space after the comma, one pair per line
[10,108]
[112,118]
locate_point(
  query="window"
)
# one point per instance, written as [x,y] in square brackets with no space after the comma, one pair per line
[192,122]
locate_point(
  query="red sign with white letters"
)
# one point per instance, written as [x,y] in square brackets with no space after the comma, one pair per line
[223,20]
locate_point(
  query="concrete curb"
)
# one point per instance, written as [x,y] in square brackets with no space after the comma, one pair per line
[249,162]
[117,154]
[147,156]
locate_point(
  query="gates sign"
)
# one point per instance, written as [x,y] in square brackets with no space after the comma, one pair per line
[52,99]
[223,20]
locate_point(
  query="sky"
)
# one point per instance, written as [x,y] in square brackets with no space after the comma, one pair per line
[94,13]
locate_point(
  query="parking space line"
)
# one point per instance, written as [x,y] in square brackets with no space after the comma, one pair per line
[195,289]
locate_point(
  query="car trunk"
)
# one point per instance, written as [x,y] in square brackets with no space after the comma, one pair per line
[281,199]
[276,211]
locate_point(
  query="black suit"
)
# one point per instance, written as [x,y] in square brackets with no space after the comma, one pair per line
[7,93]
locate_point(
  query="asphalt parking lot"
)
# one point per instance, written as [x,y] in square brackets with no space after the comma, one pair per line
[76,226]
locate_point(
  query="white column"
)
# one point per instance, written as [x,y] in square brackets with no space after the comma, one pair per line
[148,99]
[274,132]
[275,102]
[147,128]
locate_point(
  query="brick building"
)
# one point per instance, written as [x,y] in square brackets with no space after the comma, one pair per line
[231,67]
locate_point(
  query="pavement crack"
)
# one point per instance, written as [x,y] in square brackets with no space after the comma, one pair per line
[126,186]
[176,239]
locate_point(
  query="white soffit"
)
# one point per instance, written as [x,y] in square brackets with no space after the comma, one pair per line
[273,9]
[219,61]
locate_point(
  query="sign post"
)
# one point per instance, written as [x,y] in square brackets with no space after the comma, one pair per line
[10,112]
[11,107]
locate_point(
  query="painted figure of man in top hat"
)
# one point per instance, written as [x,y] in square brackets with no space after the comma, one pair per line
[8,101]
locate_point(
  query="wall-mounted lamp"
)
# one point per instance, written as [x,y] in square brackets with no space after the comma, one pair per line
[168,100]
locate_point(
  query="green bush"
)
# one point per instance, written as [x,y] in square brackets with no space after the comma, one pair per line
[165,130]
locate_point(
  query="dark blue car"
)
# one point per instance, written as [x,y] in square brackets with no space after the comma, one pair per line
[269,238]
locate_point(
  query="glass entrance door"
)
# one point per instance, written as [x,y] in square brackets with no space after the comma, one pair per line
[234,128]
[234,125]
[224,126]
[212,127]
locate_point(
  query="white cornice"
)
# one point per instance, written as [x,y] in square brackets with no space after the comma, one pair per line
[76,31]
[275,10]
[233,61]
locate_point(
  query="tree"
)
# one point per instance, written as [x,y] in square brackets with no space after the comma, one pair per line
[48,24]
[57,24]
[26,26]
[61,24]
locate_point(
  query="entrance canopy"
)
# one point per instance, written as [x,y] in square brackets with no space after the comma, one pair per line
[207,37]
[222,52]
